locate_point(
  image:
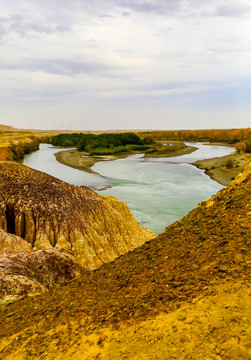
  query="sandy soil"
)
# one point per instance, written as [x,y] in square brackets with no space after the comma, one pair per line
[215,327]
[76,160]
[216,168]
[81,160]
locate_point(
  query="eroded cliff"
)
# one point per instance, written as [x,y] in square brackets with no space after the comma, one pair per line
[47,212]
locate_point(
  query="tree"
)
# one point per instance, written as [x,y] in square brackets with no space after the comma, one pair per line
[240,146]
[148,140]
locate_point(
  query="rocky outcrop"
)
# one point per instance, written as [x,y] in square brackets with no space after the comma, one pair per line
[12,243]
[36,271]
[47,212]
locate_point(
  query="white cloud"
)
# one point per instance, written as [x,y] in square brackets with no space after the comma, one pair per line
[122,49]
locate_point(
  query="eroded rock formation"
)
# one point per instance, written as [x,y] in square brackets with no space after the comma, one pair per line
[47,212]
[36,271]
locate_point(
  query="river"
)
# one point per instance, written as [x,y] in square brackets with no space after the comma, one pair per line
[158,191]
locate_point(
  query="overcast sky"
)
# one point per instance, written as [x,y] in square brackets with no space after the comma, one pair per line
[125,64]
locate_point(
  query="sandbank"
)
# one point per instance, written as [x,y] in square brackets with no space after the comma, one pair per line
[184,151]
[76,159]
[217,168]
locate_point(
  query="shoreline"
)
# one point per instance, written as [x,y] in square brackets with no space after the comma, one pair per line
[82,161]
[76,160]
[218,170]
[185,151]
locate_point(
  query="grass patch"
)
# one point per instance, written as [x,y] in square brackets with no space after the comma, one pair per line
[118,150]
[166,149]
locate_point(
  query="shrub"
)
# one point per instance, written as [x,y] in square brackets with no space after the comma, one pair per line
[81,141]
[240,146]
[68,143]
[229,164]
[248,146]
[148,140]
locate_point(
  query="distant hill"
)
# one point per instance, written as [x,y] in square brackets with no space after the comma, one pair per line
[7,128]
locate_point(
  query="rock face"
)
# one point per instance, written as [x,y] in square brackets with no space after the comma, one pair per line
[36,271]
[47,212]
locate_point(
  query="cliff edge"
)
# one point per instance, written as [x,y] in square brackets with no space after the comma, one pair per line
[47,212]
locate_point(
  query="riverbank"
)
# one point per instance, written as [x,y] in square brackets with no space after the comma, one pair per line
[82,161]
[224,169]
[76,159]
[184,151]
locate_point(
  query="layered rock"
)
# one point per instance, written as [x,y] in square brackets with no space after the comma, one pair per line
[36,271]
[47,212]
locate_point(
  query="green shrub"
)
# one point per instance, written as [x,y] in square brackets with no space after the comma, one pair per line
[148,140]
[229,164]
[118,149]
[81,141]
[248,146]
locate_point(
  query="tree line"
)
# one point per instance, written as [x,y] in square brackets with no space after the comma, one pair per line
[230,136]
[90,142]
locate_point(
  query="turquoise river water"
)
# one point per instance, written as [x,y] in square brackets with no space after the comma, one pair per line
[158,191]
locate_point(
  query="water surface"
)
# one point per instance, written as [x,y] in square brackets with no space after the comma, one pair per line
[44,160]
[158,191]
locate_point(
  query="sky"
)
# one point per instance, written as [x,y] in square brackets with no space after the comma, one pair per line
[125,64]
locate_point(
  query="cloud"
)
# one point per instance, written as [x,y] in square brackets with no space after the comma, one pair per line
[234,10]
[157,6]
[18,24]
[124,51]
[57,66]
[2,28]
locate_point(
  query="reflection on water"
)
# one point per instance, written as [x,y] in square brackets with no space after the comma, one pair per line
[158,191]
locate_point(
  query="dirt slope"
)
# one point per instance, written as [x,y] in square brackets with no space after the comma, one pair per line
[183,295]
